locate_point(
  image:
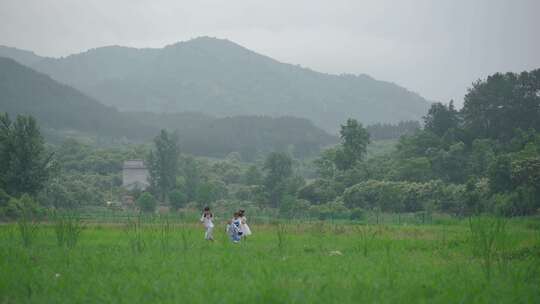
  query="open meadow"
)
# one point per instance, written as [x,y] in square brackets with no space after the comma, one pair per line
[166,260]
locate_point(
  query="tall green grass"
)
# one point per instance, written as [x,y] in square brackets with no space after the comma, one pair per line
[158,259]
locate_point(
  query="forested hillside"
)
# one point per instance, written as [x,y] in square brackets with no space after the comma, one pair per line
[251,136]
[393,131]
[219,77]
[64,111]
[60,107]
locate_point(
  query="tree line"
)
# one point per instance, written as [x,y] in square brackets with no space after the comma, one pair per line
[484,157]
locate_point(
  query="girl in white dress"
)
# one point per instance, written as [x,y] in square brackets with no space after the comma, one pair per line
[244,226]
[207,218]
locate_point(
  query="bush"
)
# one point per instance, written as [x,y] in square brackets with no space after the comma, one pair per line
[357,214]
[177,199]
[146,202]
[505,203]
[332,210]
[4,198]
[390,196]
[15,208]
[292,207]
[318,192]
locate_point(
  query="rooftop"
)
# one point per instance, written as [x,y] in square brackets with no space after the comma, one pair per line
[134,164]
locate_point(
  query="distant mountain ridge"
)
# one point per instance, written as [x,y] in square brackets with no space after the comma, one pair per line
[63,111]
[60,107]
[219,77]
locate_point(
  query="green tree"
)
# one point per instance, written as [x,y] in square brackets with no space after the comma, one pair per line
[292,207]
[163,163]
[354,141]
[147,202]
[177,199]
[526,174]
[252,176]
[278,167]
[57,194]
[494,108]
[318,192]
[441,118]
[500,174]
[451,165]
[210,191]
[24,164]
[326,164]
[4,199]
[415,169]
[482,155]
[191,173]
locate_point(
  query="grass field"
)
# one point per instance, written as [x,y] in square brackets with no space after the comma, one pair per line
[158,261]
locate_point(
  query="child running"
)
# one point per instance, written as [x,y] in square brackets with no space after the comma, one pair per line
[207,218]
[244,226]
[234,228]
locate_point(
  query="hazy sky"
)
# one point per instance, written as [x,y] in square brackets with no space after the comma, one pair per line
[436,48]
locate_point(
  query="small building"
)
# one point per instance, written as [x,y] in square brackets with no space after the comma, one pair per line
[135,175]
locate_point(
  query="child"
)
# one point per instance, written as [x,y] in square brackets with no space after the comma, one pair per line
[244,226]
[207,218]
[234,228]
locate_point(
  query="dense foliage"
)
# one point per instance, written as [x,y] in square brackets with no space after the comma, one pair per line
[251,136]
[380,131]
[451,165]
[162,164]
[24,164]
[483,158]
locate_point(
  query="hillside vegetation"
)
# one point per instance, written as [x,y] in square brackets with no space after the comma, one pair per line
[65,112]
[219,77]
[58,106]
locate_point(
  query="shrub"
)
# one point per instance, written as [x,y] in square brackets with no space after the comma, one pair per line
[332,210]
[67,227]
[146,202]
[26,205]
[318,192]
[338,210]
[27,212]
[505,203]
[292,207]
[4,199]
[177,199]
[390,196]
[357,214]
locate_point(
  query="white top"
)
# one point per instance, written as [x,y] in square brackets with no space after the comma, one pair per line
[244,226]
[207,220]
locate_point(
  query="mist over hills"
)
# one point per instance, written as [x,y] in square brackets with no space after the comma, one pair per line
[201,134]
[219,77]
[60,107]
[21,56]
[65,112]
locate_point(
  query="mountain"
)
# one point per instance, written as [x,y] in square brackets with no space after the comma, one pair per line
[62,110]
[221,78]
[60,107]
[23,57]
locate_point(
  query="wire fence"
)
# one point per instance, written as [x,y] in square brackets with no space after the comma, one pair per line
[263,216]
